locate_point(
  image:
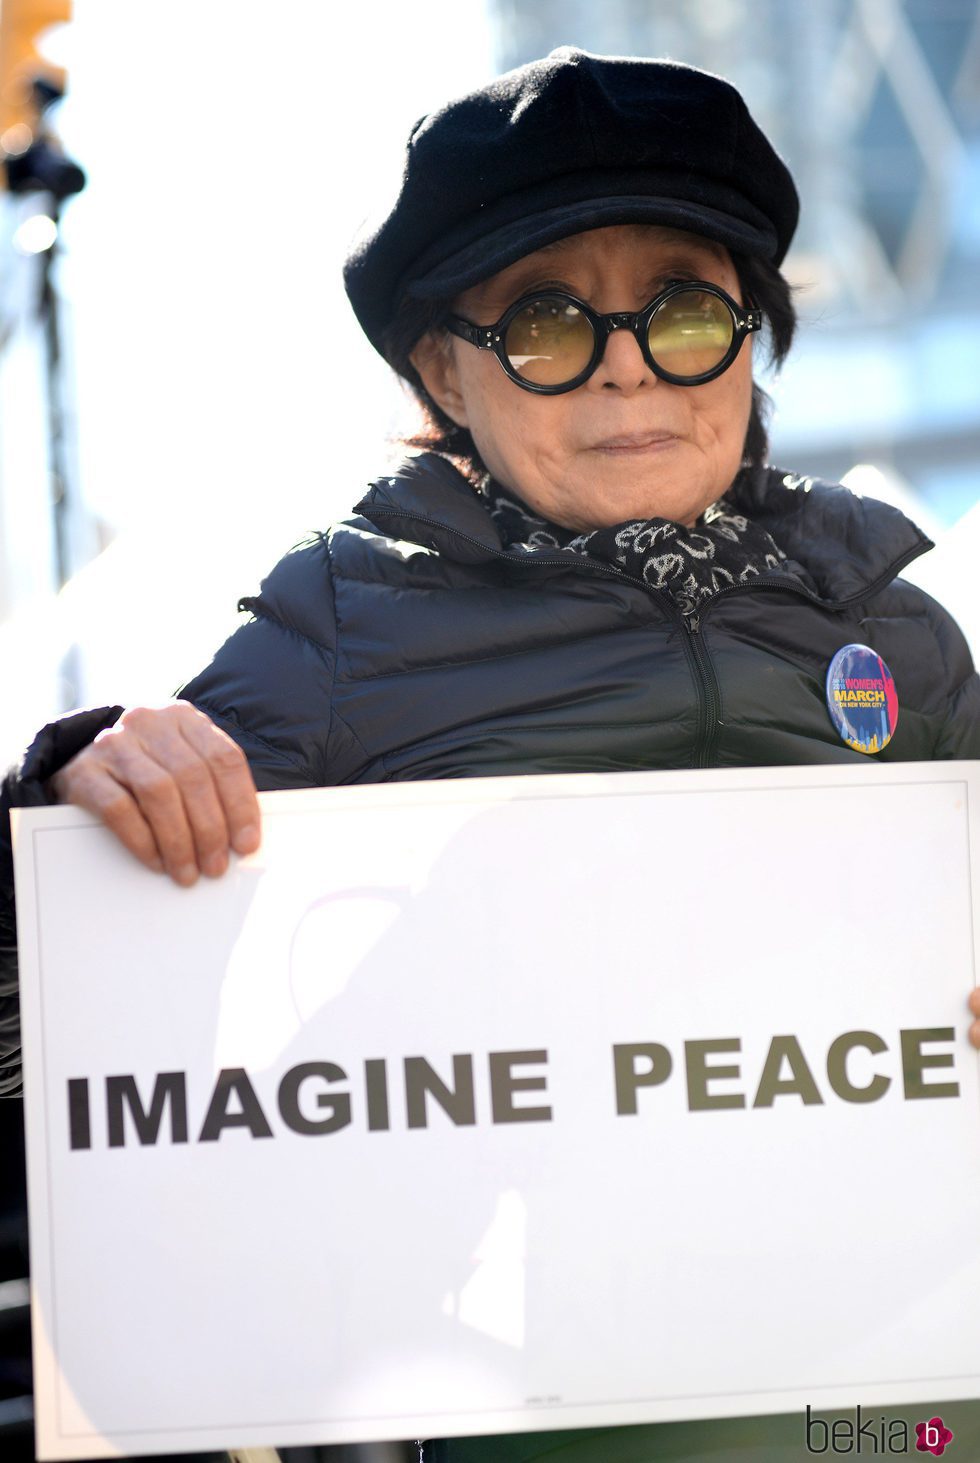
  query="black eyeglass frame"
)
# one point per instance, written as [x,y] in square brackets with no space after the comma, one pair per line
[492,337]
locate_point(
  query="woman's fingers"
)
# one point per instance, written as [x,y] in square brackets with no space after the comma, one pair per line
[974,1004]
[175,799]
[173,788]
[87,783]
[232,779]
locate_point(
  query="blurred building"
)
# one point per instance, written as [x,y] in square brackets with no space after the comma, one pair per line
[875,104]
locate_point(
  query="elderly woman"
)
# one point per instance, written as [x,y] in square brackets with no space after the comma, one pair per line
[589,565]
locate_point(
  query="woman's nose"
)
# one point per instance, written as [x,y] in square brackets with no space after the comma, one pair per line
[622,367]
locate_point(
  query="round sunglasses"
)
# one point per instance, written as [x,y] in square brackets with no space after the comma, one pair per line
[551,342]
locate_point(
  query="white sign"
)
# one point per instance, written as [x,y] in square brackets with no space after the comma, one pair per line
[506,1104]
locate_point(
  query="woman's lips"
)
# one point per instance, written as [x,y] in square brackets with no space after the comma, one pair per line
[632,444]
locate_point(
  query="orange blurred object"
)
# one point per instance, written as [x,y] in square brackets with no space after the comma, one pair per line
[22,64]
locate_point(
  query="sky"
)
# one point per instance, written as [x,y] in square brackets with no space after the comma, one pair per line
[233,149]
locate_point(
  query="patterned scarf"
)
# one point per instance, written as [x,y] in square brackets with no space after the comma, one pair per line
[690,564]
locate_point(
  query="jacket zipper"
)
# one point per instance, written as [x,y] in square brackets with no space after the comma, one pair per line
[699,659]
[709,695]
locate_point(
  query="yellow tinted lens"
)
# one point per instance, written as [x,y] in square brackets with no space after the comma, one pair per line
[691,333]
[549,342]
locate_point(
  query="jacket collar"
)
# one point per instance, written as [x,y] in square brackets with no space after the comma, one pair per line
[429,502]
[847,546]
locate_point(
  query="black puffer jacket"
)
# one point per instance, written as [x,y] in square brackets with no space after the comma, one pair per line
[408,643]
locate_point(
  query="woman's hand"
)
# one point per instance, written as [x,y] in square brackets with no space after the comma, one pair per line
[974,1004]
[173,787]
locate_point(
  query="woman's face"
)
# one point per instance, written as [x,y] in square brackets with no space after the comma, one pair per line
[625,444]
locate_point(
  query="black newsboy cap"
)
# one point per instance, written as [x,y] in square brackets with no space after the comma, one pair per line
[561,145]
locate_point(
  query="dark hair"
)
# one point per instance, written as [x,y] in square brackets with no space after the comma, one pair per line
[769,291]
[760,282]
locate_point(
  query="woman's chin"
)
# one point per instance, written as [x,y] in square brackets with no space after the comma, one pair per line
[619,502]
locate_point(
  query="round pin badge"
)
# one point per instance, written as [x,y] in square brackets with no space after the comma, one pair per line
[861,698]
